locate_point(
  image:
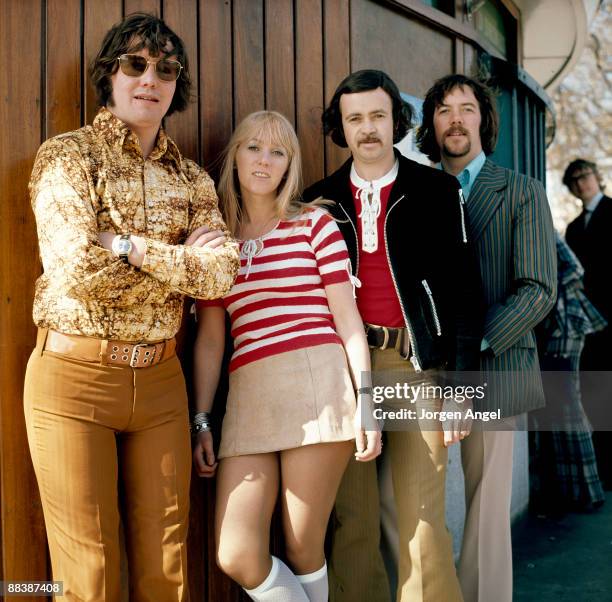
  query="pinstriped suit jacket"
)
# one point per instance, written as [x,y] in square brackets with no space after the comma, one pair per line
[512,231]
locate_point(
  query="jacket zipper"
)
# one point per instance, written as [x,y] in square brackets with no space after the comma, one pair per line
[413,348]
[462,208]
[356,239]
[433,307]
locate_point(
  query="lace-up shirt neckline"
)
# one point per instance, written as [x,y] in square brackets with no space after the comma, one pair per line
[368,192]
[252,247]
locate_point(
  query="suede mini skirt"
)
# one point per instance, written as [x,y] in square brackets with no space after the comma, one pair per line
[296,398]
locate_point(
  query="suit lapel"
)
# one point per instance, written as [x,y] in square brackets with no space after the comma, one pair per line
[485,198]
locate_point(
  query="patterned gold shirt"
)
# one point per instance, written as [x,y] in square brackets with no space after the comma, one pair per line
[96,180]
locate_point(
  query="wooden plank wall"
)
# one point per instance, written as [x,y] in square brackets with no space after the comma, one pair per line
[21,98]
[245,55]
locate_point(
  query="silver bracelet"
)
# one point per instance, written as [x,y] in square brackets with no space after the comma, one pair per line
[203,427]
[200,423]
[201,417]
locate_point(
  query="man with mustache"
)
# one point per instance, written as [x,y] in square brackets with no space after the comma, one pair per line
[511,226]
[420,298]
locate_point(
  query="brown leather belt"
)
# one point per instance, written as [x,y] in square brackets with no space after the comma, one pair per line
[119,353]
[383,337]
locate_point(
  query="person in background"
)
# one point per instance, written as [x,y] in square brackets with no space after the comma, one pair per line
[563,467]
[589,238]
[290,423]
[126,228]
[511,226]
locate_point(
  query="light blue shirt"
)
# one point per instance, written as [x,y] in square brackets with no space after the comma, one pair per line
[469,174]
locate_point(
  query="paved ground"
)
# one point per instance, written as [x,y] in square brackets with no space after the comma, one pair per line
[564,560]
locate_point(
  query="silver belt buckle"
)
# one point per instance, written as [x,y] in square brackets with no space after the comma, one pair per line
[149,355]
[386,339]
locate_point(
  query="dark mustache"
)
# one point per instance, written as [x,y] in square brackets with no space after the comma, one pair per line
[456,130]
[369,140]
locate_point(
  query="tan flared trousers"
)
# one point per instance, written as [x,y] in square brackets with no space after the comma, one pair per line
[105,440]
[426,569]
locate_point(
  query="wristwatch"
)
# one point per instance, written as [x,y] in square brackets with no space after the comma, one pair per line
[122,247]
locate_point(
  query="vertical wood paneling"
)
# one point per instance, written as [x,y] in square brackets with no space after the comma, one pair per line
[410,60]
[458,56]
[63,68]
[280,53]
[23,537]
[470,60]
[216,122]
[249,90]
[215,72]
[142,6]
[99,17]
[337,61]
[182,17]
[309,86]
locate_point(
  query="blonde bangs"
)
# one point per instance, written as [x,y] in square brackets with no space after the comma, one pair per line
[271,128]
[267,127]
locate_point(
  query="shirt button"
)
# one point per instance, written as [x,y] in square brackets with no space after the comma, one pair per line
[150,204]
[157,324]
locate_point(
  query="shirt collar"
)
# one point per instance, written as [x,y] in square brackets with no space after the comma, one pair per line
[470,172]
[115,132]
[594,202]
[385,180]
[112,129]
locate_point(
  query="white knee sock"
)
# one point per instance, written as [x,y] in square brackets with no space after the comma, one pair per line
[315,584]
[281,585]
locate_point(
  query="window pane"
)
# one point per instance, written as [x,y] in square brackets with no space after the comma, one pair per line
[446,6]
[490,22]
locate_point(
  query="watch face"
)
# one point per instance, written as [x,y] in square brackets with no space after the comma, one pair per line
[124,247]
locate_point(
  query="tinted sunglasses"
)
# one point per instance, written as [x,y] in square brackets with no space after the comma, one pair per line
[134,65]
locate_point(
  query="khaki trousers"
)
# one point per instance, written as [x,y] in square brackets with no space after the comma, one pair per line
[94,430]
[485,564]
[426,570]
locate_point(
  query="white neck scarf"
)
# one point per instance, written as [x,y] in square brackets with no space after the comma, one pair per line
[369,195]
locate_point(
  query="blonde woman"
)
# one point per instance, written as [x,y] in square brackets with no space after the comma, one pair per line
[290,420]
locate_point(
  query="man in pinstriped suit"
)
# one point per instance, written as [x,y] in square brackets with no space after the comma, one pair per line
[511,226]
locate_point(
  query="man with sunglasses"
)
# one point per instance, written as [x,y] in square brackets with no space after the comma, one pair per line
[126,227]
[589,237]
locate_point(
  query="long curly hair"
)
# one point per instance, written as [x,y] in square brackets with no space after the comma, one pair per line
[489,125]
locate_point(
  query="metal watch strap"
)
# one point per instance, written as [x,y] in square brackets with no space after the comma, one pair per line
[125,256]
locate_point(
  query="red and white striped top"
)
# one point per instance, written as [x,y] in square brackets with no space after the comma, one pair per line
[281,305]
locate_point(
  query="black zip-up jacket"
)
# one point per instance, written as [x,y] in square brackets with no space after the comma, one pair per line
[433,264]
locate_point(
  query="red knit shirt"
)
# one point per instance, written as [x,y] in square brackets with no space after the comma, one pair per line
[279,303]
[376,298]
